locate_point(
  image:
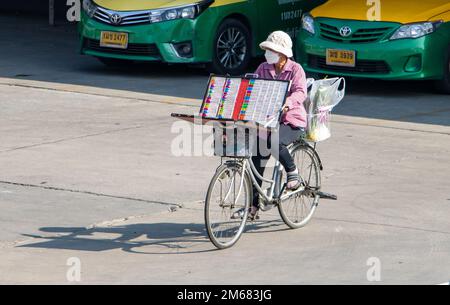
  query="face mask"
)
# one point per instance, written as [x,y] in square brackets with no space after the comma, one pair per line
[272,57]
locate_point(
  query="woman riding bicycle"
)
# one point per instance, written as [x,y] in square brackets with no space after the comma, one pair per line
[280,66]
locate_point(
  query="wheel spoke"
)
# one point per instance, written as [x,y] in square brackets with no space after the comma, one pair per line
[241,42]
[228,60]
[224,229]
[297,210]
[230,34]
[236,36]
[221,42]
[224,58]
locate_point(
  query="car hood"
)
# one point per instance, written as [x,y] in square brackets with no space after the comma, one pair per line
[402,11]
[137,5]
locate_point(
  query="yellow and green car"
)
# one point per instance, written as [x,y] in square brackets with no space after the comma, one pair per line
[382,39]
[224,34]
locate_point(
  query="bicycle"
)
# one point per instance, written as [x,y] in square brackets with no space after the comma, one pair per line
[230,194]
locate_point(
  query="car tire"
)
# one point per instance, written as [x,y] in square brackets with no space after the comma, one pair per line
[443,85]
[114,62]
[232,51]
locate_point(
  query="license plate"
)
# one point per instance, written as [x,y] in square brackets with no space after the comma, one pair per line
[115,40]
[344,58]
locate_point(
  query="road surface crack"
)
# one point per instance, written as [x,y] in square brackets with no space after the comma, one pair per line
[72,138]
[51,188]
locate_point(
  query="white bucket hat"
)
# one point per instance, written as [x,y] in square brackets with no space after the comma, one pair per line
[280,42]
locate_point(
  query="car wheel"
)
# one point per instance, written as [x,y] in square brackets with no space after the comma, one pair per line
[444,84]
[232,48]
[114,62]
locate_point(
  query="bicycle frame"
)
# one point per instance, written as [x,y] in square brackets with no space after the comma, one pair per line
[274,195]
[274,189]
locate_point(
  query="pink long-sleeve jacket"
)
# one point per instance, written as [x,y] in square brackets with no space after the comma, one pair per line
[292,71]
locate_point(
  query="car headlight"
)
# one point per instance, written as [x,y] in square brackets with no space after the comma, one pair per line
[185,12]
[415,30]
[308,24]
[89,7]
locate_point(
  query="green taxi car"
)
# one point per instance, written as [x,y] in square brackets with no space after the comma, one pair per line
[224,34]
[389,40]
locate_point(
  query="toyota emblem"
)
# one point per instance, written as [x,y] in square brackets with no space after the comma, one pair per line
[345,31]
[116,19]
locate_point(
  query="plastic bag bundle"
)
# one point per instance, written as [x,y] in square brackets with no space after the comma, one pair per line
[324,96]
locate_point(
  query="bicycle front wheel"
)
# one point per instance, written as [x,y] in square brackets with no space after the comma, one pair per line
[227,205]
[298,210]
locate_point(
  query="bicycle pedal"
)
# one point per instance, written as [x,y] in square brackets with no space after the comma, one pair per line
[323,195]
[238,214]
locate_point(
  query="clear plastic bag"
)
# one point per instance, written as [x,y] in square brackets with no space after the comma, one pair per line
[324,95]
[319,127]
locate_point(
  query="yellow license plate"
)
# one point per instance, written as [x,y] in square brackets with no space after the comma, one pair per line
[344,58]
[114,40]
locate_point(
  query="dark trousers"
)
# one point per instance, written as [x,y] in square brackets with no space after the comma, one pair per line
[285,137]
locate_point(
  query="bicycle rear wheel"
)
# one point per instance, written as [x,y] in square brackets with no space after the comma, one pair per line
[227,205]
[298,210]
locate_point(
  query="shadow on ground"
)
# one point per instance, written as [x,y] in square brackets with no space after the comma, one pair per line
[157,238]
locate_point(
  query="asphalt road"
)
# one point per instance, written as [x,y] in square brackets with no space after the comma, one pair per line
[87,172]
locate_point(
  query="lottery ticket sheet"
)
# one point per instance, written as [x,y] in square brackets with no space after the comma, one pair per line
[245,99]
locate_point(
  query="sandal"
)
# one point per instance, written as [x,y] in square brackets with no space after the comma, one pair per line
[253,214]
[293,181]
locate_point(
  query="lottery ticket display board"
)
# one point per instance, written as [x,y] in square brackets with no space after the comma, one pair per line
[245,99]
